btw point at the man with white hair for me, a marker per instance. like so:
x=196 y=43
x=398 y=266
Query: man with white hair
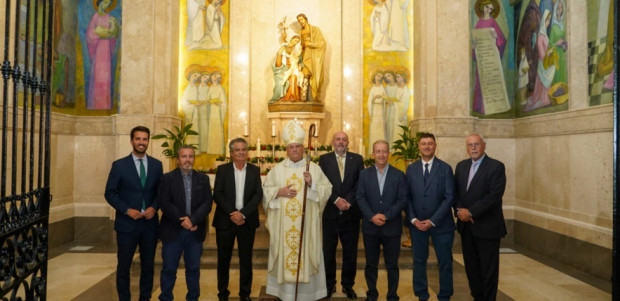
x=283 y=203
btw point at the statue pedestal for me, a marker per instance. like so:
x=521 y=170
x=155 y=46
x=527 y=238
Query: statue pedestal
x=277 y=106
x=305 y=119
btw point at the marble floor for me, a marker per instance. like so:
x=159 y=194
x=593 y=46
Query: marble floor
x=89 y=275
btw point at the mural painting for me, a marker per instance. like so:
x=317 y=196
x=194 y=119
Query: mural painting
x=87 y=39
x=389 y=25
x=492 y=64
x=600 y=51
x=387 y=103
x=203 y=73
x=542 y=84
x=388 y=66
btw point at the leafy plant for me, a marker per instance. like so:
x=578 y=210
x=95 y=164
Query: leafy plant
x=369 y=161
x=406 y=148
x=175 y=139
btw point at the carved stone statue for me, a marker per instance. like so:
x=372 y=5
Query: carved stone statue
x=313 y=53
x=298 y=67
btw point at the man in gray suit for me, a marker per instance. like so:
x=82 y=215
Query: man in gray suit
x=431 y=187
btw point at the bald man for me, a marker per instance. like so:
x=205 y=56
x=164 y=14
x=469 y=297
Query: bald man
x=341 y=218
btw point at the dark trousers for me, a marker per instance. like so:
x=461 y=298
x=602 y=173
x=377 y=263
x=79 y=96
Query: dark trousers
x=225 y=239
x=145 y=236
x=348 y=231
x=391 y=251
x=481 y=258
x=191 y=248
x=442 y=242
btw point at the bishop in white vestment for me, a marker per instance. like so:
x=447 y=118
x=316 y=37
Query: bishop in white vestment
x=283 y=203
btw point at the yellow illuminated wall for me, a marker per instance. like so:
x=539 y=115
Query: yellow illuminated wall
x=388 y=53
x=204 y=51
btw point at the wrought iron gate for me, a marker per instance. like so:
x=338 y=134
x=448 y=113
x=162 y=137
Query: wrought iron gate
x=25 y=164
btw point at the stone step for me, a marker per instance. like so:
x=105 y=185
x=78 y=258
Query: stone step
x=260 y=254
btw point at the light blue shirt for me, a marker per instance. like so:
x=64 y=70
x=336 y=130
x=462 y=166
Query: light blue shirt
x=136 y=161
x=477 y=163
x=381 y=177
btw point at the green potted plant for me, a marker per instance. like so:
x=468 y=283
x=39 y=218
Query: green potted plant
x=175 y=139
x=406 y=148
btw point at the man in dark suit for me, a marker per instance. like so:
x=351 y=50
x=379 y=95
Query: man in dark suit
x=132 y=191
x=341 y=216
x=480 y=184
x=185 y=201
x=431 y=190
x=381 y=196
x=237 y=193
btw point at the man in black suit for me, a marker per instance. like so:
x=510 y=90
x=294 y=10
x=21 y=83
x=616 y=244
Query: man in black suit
x=480 y=184
x=429 y=213
x=381 y=196
x=238 y=192
x=185 y=201
x=132 y=190
x=341 y=216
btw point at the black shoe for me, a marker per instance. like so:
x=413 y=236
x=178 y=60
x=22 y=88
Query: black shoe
x=350 y=292
x=330 y=292
x=222 y=298
x=371 y=299
x=245 y=298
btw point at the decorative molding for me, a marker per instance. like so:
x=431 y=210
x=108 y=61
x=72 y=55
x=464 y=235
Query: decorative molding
x=593 y=234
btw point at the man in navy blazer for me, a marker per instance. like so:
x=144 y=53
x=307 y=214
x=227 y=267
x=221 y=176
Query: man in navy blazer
x=132 y=191
x=237 y=192
x=381 y=196
x=341 y=216
x=480 y=185
x=185 y=201
x=429 y=212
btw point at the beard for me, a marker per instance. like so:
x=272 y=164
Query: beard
x=139 y=152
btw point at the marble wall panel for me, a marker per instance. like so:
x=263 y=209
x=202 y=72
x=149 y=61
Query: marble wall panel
x=137 y=72
x=92 y=164
x=577 y=53
x=62 y=175
x=452 y=32
x=591 y=166
x=166 y=38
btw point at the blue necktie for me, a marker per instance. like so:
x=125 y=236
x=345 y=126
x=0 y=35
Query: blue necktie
x=426 y=173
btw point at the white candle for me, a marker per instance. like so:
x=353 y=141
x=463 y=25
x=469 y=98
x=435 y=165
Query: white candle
x=361 y=147
x=245 y=128
x=273 y=128
x=227 y=150
x=316 y=129
x=258 y=147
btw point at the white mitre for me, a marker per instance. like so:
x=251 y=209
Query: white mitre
x=293 y=133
